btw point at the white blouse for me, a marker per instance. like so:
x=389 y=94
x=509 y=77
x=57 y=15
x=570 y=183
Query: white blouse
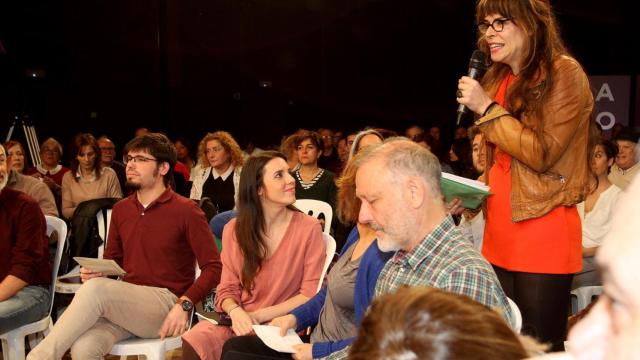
x=597 y=222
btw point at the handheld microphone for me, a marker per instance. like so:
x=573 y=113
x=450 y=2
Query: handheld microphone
x=477 y=67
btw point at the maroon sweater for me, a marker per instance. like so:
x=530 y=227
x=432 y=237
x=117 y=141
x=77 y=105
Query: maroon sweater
x=24 y=251
x=158 y=246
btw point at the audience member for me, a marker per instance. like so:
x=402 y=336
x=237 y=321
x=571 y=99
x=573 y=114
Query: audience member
x=49 y=170
x=108 y=159
x=220 y=161
x=329 y=158
x=428 y=323
x=268 y=235
x=535 y=111
x=363 y=139
x=413 y=131
x=141 y=131
x=460 y=133
x=626 y=165
x=473 y=220
x=288 y=148
x=15 y=156
x=183 y=149
x=339 y=307
x=36 y=189
x=156 y=236
x=611 y=330
x=424 y=140
x=313 y=182
x=597 y=211
x=398 y=183
x=343 y=151
x=25 y=272
x=460 y=159
x=88 y=178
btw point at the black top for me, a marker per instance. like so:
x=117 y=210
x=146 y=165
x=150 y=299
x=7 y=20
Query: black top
x=221 y=192
x=322 y=187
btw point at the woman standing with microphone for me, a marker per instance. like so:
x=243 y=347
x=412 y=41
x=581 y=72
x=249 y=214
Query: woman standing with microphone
x=534 y=104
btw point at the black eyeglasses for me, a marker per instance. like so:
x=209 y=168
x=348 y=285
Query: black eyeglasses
x=497 y=25
x=136 y=159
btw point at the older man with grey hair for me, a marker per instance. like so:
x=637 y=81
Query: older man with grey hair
x=399 y=185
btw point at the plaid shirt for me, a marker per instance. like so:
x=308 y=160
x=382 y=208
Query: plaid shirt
x=445 y=260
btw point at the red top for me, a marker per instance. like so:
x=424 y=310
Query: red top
x=182 y=169
x=158 y=246
x=24 y=251
x=56 y=176
x=548 y=244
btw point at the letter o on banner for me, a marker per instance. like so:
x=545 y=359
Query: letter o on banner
x=606 y=119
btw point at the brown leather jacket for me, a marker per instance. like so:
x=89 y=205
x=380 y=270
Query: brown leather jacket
x=549 y=168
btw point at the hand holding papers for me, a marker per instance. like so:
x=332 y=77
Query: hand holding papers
x=107 y=267
x=471 y=192
x=270 y=335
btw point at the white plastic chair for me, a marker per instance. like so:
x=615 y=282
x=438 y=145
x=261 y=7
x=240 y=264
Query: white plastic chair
x=330 y=250
x=585 y=295
x=330 y=245
x=13 y=341
x=152 y=349
x=315 y=208
x=516 y=314
x=104 y=219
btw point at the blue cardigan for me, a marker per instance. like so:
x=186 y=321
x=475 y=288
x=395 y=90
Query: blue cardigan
x=372 y=262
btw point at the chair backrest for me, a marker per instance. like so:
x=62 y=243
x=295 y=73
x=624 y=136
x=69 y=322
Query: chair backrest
x=104 y=220
x=58 y=225
x=330 y=245
x=316 y=208
x=516 y=314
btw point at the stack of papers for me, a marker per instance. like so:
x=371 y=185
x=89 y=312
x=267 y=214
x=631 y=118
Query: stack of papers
x=270 y=335
x=471 y=192
x=107 y=267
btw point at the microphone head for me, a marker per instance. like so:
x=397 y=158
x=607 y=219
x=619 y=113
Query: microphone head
x=478 y=60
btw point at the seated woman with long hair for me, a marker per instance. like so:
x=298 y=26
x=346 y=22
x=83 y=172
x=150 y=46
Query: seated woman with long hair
x=428 y=323
x=596 y=212
x=338 y=308
x=272 y=257
x=88 y=179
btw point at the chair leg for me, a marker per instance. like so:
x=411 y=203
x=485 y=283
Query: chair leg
x=5 y=349
x=16 y=348
x=156 y=353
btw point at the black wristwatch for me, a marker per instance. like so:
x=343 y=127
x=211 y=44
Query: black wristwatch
x=185 y=304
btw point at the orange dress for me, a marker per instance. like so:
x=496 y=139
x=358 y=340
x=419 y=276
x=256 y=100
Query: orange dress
x=550 y=244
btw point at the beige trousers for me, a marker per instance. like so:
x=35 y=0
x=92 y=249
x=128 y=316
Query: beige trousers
x=103 y=312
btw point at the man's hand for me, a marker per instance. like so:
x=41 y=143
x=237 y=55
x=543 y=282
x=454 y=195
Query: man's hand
x=303 y=352
x=241 y=322
x=87 y=274
x=284 y=323
x=175 y=323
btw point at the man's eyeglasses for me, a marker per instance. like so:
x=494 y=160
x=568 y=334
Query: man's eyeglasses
x=137 y=159
x=497 y=25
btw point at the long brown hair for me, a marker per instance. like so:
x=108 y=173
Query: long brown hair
x=250 y=224
x=428 y=323
x=348 y=204
x=543 y=45
x=80 y=141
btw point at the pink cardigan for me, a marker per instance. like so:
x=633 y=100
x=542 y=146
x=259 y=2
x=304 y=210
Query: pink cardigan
x=294 y=268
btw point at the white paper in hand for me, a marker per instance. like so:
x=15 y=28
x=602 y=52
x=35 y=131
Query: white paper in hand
x=270 y=335
x=107 y=267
